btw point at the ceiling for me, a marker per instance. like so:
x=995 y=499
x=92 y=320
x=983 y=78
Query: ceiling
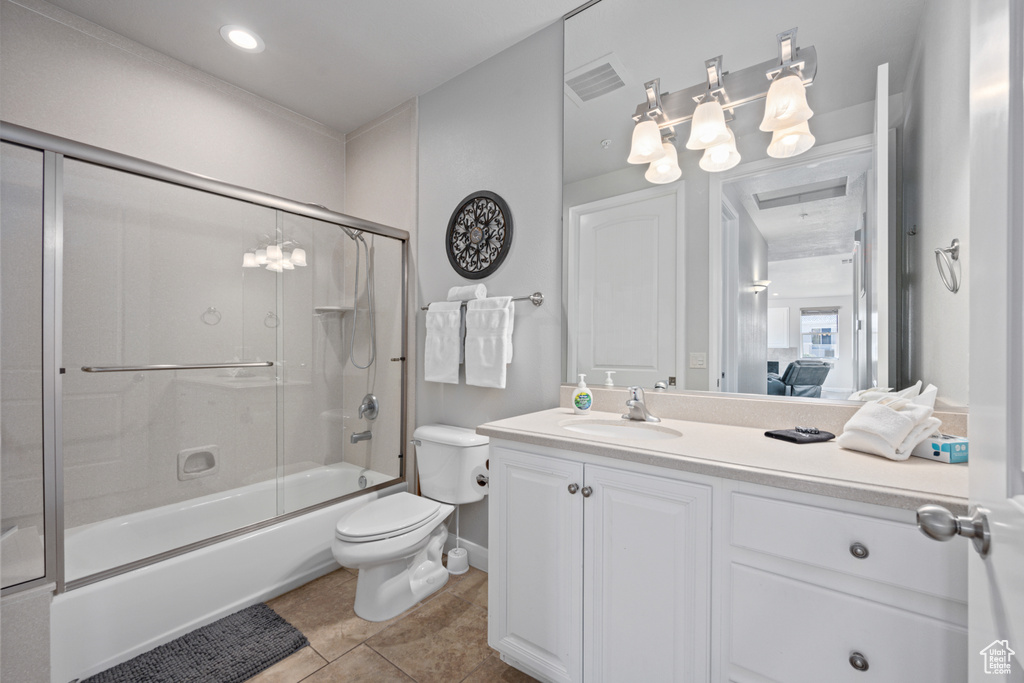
x=341 y=63
x=670 y=40
x=814 y=228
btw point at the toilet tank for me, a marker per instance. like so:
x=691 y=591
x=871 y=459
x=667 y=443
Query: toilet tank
x=448 y=460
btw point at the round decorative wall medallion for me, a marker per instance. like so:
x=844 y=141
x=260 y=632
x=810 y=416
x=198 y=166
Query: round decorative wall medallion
x=479 y=235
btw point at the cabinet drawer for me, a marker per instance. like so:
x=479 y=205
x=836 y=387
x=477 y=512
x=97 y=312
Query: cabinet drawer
x=897 y=553
x=790 y=631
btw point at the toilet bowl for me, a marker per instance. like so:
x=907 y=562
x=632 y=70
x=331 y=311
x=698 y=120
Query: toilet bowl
x=396 y=542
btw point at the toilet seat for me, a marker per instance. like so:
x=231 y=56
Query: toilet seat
x=387 y=517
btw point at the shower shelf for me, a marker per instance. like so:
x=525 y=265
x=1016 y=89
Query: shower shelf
x=333 y=309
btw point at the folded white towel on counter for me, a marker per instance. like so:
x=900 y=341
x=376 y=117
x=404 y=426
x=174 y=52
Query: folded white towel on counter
x=467 y=293
x=443 y=344
x=891 y=427
x=489 y=324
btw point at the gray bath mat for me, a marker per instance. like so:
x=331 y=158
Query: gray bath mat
x=229 y=650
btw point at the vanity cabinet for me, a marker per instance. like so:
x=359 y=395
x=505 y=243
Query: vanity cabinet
x=598 y=573
x=819 y=589
x=609 y=570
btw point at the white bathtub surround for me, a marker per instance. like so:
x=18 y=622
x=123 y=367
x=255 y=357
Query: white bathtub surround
x=153 y=605
x=99 y=546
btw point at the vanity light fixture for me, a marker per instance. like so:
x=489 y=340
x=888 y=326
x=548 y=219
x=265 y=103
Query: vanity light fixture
x=647 y=145
x=242 y=38
x=666 y=169
x=275 y=256
x=781 y=82
x=760 y=285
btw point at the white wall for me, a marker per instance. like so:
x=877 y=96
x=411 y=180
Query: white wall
x=380 y=176
x=66 y=76
x=497 y=127
x=936 y=193
x=749 y=324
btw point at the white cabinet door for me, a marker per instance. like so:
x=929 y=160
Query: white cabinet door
x=647 y=558
x=535 y=614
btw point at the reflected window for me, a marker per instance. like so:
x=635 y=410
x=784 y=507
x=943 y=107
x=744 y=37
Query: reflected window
x=819 y=333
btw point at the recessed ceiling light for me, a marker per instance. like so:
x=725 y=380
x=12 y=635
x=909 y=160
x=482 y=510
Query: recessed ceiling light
x=242 y=38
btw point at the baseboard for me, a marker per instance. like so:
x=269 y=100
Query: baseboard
x=477 y=553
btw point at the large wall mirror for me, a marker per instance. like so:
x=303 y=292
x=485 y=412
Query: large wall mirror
x=810 y=274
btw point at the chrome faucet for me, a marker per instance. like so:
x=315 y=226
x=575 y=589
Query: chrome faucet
x=361 y=436
x=637 y=407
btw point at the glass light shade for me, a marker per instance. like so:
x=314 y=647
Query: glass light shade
x=786 y=104
x=646 y=143
x=721 y=157
x=708 y=126
x=665 y=169
x=273 y=252
x=287 y=265
x=789 y=142
x=261 y=256
x=249 y=260
x=275 y=266
x=299 y=257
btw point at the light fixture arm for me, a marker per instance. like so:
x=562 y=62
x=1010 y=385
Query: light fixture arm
x=745 y=86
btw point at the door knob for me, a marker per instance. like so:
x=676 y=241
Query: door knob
x=937 y=522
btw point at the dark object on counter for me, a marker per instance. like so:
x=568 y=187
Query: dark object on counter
x=801 y=435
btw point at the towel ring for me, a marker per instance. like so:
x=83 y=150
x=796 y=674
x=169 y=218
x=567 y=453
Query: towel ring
x=948 y=261
x=211 y=316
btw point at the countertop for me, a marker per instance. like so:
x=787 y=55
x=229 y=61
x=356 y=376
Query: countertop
x=745 y=454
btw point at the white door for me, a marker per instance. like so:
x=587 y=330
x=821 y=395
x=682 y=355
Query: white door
x=623 y=285
x=878 y=238
x=535 y=594
x=646 y=570
x=996 y=345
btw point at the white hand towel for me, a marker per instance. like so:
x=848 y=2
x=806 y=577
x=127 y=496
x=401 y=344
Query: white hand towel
x=467 y=293
x=443 y=343
x=891 y=430
x=488 y=341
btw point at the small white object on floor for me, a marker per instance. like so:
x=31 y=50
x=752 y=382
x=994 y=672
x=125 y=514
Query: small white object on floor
x=458 y=561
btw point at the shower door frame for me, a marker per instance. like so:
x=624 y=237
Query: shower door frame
x=55 y=149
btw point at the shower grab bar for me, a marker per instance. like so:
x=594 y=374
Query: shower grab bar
x=200 y=366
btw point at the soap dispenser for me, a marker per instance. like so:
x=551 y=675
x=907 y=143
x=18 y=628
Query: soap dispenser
x=608 y=381
x=582 y=399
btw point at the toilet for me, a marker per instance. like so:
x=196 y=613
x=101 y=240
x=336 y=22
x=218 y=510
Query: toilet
x=396 y=542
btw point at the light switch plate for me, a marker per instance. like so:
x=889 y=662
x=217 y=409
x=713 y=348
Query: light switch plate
x=698 y=360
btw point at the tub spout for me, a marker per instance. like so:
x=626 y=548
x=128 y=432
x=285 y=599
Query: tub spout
x=361 y=436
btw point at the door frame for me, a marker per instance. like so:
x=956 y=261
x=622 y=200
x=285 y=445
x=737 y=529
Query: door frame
x=572 y=267
x=859 y=143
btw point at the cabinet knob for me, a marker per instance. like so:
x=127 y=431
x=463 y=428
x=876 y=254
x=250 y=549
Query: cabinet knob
x=573 y=488
x=858 y=661
x=859 y=550
x=587 y=491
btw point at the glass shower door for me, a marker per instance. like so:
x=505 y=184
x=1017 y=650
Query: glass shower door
x=21 y=382
x=155 y=459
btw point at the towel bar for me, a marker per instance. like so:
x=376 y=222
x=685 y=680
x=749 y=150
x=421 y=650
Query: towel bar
x=536 y=299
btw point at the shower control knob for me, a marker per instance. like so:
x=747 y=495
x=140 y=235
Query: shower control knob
x=573 y=488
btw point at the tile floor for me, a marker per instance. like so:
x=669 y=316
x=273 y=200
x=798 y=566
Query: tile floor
x=440 y=640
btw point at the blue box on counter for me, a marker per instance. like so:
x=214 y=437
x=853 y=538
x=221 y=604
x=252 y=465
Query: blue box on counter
x=943 y=448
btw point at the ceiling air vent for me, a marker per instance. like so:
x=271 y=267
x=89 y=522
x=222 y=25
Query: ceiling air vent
x=826 y=189
x=595 y=79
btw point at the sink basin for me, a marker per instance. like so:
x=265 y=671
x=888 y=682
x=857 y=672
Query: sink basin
x=621 y=429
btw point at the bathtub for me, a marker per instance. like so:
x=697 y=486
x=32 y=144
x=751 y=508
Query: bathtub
x=104 y=623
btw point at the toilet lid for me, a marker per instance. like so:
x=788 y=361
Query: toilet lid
x=386 y=517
